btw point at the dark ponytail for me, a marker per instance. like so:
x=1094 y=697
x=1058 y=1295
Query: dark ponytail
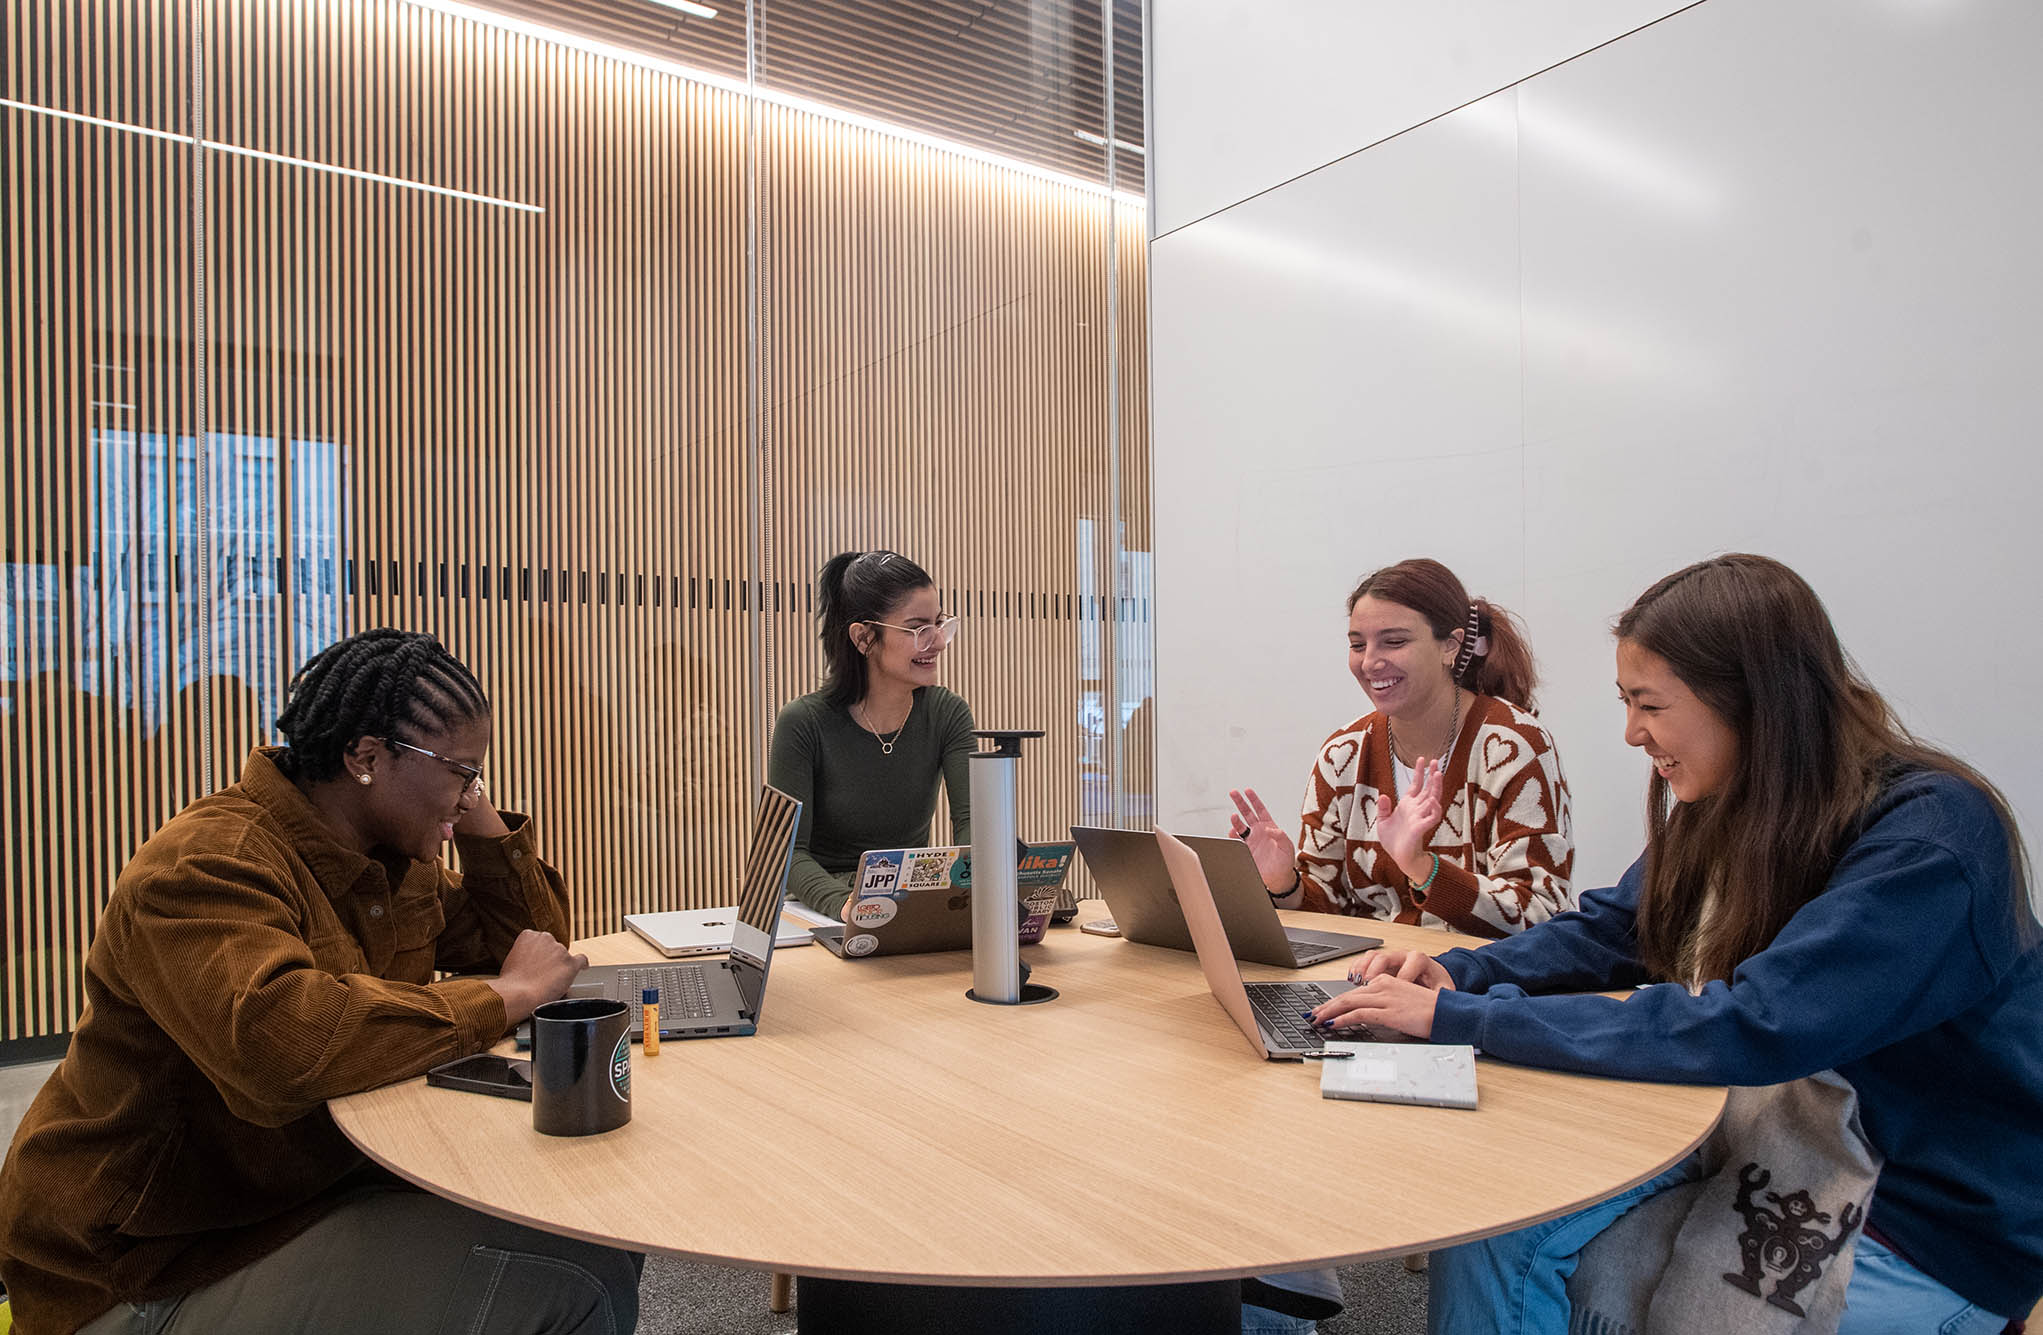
x=1496 y=658
x=854 y=587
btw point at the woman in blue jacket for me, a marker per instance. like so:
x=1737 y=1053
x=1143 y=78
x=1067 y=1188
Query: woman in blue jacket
x=1826 y=893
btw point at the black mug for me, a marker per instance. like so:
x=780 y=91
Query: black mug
x=581 y=1066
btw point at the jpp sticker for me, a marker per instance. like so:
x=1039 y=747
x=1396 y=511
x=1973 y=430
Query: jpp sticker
x=881 y=875
x=861 y=945
x=620 y=1068
x=871 y=913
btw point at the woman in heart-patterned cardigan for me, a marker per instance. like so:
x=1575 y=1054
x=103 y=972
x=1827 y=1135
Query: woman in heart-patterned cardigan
x=1481 y=842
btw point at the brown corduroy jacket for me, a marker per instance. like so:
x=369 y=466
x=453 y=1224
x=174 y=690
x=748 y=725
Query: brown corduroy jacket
x=247 y=969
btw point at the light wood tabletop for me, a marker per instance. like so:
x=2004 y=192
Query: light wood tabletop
x=881 y=1126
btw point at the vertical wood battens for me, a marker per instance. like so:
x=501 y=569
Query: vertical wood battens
x=523 y=431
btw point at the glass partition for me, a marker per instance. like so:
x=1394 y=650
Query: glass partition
x=578 y=334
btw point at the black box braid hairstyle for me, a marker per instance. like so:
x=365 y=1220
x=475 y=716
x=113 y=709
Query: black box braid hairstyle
x=379 y=683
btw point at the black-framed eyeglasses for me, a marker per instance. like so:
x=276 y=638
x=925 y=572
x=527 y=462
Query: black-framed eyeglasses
x=475 y=787
x=929 y=635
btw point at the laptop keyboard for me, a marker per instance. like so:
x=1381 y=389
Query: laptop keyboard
x=1280 y=1007
x=1306 y=954
x=684 y=991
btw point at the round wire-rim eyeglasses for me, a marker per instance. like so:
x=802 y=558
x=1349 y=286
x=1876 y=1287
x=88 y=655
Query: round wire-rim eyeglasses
x=930 y=635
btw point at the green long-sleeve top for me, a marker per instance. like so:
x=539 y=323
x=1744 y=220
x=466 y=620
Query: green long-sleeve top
x=855 y=797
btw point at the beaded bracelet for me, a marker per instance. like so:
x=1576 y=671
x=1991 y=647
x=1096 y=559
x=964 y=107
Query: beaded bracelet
x=1419 y=890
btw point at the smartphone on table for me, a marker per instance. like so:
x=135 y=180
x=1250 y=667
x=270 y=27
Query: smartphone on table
x=485 y=1073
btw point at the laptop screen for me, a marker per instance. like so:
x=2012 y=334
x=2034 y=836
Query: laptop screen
x=765 y=883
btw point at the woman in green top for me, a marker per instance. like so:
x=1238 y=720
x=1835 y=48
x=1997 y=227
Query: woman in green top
x=865 y=752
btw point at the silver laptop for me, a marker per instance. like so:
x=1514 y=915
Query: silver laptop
x=1132 y=878
x=717 y=998
x=680 y=933
x=1270 y=1015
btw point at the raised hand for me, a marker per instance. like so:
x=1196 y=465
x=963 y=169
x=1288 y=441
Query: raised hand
x=1403 y=829
x=479 y=816
x=1276 y=856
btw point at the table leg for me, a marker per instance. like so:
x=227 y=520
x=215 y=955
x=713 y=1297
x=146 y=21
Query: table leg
x=782 y=1297
x=855 y=1307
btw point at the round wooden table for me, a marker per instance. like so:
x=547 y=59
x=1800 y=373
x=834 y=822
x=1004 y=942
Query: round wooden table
x=882 y=1127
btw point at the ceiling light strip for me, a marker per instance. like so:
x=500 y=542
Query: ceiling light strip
x=280 y=158
x=793 y=102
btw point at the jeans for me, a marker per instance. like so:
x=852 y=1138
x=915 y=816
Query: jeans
x=1517 y=1283
x=1888 y=1296
x=401 y=1262
x=1262 y=1321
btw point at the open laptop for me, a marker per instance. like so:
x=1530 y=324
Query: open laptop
x=1269 y=1015
x=1133 y=879
x=719 y=997
x=680 y=933
x=916 y=901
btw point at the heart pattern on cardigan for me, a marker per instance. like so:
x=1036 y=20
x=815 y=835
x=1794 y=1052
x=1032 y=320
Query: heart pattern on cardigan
x=1528 y=808
x=1506 y=822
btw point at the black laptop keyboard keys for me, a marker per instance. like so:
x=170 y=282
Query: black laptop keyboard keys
x=1282 y=1008
x=684 y=994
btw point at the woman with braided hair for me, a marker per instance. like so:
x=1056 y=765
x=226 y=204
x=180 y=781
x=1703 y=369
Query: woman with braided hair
x=1446 y=805
x=275 y=945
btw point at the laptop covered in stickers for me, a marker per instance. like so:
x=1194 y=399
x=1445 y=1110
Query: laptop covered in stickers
x=914 y=901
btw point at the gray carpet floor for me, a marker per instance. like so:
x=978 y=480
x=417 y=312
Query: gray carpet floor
x=682 y=1298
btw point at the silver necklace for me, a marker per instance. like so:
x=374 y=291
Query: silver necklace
x=1453 y=731
x=887 y=743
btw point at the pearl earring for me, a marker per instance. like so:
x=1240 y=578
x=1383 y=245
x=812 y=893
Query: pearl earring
x=362 y=779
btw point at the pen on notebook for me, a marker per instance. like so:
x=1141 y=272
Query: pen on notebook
x=1324 y=1056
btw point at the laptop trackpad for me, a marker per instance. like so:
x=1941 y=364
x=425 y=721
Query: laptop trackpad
x=595 y=988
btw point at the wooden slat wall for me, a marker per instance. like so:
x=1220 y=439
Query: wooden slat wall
x=522 y=430
x=97 y=748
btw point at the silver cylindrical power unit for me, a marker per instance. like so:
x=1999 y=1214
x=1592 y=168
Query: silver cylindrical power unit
x=996 y=894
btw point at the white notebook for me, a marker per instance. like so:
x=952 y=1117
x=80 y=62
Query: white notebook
x=1443 y=1075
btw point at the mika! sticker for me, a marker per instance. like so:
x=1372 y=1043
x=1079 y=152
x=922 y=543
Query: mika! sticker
x=871 y=913
x=620 y=1067
x=856 y=946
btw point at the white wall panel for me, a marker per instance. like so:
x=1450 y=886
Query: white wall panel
x=1833 y=274
x=1336 y=386
x=1244 y=96
x=1777 y=284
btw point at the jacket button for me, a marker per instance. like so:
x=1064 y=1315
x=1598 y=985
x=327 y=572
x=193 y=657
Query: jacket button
x=375 y=910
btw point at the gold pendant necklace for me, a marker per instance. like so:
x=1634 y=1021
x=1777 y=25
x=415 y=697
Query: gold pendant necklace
x=886 y=743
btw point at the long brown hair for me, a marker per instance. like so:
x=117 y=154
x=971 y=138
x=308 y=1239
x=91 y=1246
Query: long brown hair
x=1816 y=745
x=1505 y=670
